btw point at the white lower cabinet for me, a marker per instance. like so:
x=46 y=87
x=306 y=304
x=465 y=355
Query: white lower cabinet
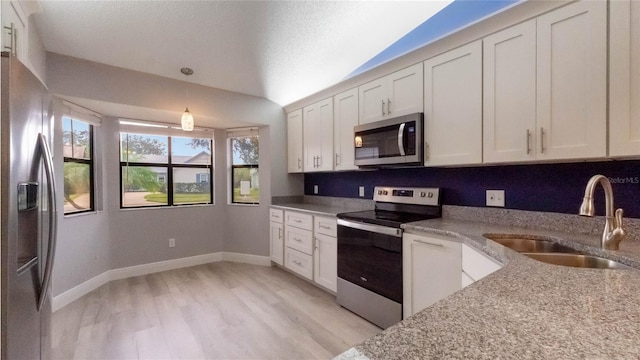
x=476 y=265
x=310 y=246
x=299 y=262
x=325 y=262
x=431 y=270
x=276 y=236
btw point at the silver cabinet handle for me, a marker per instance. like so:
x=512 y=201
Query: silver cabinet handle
x=324 y=227
x=297 y=220
x=542 y=140
x=299 y=163
x=428 y=243
x=426 y=150
x=279 y=233
x=528 y=141
x=53 y=212
x=14 y=39
x=383 y=108
x=297 y=240
x=337 y=163
x=319 y=161
x=401 y=139
x=297 y=262
x=388 y=106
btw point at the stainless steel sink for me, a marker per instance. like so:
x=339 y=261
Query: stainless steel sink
x=577 y=260
x=525 y=244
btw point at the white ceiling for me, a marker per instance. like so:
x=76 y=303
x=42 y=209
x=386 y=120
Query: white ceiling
x=280 y=50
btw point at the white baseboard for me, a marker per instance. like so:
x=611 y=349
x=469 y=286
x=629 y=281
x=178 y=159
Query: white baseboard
x=88 y=286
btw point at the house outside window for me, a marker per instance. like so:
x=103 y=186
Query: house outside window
x=77 y=137
x=245 y=170
x=164 y=170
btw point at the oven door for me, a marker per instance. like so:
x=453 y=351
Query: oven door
x=370 y=256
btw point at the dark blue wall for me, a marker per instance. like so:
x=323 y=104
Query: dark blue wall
x=540 y=187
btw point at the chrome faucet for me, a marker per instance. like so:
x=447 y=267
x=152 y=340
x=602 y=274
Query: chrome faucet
x=613 y=232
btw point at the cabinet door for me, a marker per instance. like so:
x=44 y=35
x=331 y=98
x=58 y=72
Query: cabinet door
x=294 y=141
x=509 y=121
x=345 y=117
x=431 y=268
x=276 y=240
x=453 y=103
x=477 y=265
x=624 y=78
x=318 y=136
x=372 y=96
x=325 y=261
x=11 y=16
x=406 y=90
x=572 y=81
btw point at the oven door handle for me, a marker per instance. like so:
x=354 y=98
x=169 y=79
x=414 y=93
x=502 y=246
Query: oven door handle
x=385 y=230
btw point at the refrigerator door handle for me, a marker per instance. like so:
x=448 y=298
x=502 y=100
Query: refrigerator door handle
x=51 y=197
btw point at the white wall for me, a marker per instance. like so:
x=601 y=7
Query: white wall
x=94 y=243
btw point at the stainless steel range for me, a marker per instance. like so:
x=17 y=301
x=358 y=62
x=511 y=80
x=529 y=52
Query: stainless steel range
x=370 y=251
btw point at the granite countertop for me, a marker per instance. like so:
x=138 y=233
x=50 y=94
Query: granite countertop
x=526 y=310
x=315 y=209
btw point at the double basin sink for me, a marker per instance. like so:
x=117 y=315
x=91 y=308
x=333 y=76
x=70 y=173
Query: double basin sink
x=553 y=253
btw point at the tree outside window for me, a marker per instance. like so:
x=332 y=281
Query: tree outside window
x=160 y=170
x=245 y=184
x=77 y=138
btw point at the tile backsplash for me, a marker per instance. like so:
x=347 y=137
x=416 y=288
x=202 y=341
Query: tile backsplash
x=538 y=187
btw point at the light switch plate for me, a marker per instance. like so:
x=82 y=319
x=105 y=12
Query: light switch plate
x=315 y=189
x=495 y=198
x=361 y=191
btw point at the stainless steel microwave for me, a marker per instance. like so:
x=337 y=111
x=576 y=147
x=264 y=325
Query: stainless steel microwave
x=390 y=142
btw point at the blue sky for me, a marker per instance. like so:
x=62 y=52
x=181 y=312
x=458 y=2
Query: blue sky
x=455 y=16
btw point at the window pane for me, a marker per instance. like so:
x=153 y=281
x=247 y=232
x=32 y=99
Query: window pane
x=246 y=188
x=76 y=138
x=144 y=186
x=143 y=148
x=191 y=186
x=77 y=187
x=190 y=151
x=245 y=150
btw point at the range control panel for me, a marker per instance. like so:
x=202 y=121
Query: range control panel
x=408 y=195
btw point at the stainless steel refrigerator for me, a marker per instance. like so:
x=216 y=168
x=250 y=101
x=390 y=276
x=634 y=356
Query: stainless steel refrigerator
x=28 y=213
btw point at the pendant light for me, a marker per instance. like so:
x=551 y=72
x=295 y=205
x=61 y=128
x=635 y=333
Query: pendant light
x=187 y=118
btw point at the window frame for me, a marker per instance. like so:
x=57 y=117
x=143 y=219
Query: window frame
x=242 y=166
x=169 y=165
x=90 y=162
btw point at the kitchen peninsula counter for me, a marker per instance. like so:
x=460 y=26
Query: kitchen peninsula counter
x=527 y=309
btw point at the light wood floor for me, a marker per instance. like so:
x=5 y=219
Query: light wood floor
x=216 y=311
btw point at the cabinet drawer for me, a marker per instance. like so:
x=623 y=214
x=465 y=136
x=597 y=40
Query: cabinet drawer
x=299 y=239
x=326 y=226
x=299 y=263
x=276 y=215
x=477 y=265
x=302 y=221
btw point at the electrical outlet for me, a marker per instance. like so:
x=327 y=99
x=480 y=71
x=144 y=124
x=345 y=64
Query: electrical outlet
x=361 y=191
x=172 y=243
x=315 y=189
x=495 y=198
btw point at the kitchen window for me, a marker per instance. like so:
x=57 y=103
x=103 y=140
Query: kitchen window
x=164 y=168
x=77 y=151
x=245 y=170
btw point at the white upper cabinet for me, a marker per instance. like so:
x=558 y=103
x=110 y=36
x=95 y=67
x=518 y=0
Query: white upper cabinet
x=509 y=121
x=624 y=78
x=318 y=136
x=453 y=107
x=396 y=94
x=345 y=117
x=545 y=87
x=294 y=141
x=572 y=81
